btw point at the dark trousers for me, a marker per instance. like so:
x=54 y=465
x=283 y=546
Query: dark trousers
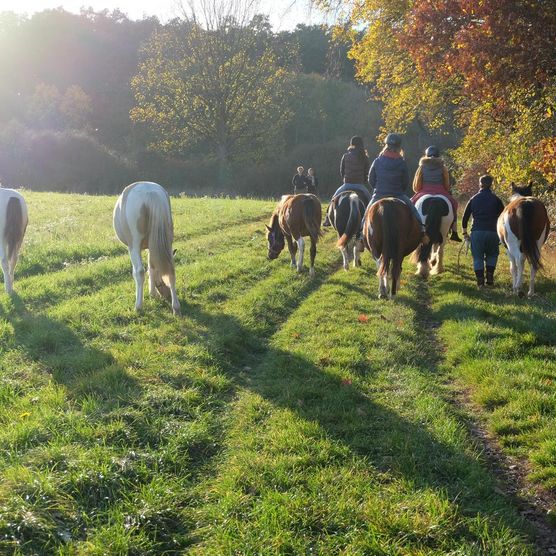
x=485 y=247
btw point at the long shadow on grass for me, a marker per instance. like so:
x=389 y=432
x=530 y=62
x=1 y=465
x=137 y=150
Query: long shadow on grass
x=387 y=441
x=83 y=370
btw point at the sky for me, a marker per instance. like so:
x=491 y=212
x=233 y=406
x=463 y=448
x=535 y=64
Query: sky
x=284 y=14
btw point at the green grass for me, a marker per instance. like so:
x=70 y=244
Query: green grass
x=272 y=418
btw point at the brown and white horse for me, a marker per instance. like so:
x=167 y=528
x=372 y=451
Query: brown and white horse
x=390 y=232
x=13 y=223
x=437 y=213
x=345 y=213
x=523 y=228
x=295 y=217
x=143 y=220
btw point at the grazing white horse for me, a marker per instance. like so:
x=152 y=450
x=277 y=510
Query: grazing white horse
x=13 y=223
x=143 y=220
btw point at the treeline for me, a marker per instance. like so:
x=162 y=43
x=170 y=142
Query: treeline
x=93 y=101
x=484 y=72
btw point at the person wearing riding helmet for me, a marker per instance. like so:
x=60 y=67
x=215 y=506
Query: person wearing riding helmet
x=354 y=168
x=389 y=175
x=432 y=178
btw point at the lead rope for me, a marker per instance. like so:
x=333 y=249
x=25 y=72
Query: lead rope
x=465 y=244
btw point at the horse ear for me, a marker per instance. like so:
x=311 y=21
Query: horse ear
x=268 y=227
x=513 y=186
x=530 y=183
x=174 y=252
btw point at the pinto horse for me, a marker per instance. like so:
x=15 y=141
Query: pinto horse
x=523 y=228
x=390 y=232
x=295 y=216
x=345 y=213
x=143 y=220
x=13 y=223
x=437 y=214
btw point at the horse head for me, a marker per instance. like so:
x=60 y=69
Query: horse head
x=275 y=238
x=522 y=191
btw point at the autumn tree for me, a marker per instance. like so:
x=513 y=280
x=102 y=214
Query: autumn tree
x=212 y=83
x=488 y=68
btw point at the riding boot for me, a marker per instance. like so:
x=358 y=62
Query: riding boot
x=454 y=236
x=490 y=275
x=480 y=274
x=326 y=222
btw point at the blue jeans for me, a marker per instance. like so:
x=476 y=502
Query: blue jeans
x=358 y=187
x=485 y=247
x=378 y=196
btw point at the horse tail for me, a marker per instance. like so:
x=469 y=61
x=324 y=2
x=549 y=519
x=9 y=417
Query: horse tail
x=354 y=221
x=312 y=218
x=433 y=225
x=391 y=252
x=526 y=218
x=15 y=226
x=161 y=232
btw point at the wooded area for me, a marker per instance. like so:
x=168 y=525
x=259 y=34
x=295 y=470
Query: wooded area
x=217 y=102
x=95 y=101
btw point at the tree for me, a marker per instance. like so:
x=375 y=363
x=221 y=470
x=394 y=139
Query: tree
x=488 y=68
x=212 y=84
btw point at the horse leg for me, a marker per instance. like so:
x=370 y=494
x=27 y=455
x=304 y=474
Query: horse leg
x=301 y=245
x=11 y=263
x=8 y=284
x=345 y=257
x=519 y=274
x=440 y=264
x=292 y=248
x=138 y=275
x=357 y=250
x=513 y=271
x=176 y=309
x=436 y=258
x=153 y=292
x=533 y=275
x=313 y=253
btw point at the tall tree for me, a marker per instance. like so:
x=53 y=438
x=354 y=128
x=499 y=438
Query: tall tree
x=212 y=82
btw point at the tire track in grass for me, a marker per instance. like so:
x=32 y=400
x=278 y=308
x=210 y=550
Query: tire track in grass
x=532 y=503
x=331 y=444
x=217 y=338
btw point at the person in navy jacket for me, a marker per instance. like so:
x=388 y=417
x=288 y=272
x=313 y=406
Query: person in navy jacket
x=485 y=208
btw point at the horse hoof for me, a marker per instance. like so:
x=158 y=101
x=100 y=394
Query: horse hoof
x=531 y=295
x=382 y=296
x=520 y=294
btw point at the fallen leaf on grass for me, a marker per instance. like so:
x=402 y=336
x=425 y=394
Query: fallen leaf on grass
x=296 y=335
x=346 y=381
x=363 y=318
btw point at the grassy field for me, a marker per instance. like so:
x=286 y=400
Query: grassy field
x=280 y=415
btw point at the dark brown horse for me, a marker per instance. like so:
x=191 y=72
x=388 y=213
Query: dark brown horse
x=390 y=232
x=523 y=228
x=295 y=216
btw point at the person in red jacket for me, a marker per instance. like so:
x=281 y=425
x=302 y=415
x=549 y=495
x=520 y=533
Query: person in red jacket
x=432 y=178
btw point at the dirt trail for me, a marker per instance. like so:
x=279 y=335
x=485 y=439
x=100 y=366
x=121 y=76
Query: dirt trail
x=532 y=502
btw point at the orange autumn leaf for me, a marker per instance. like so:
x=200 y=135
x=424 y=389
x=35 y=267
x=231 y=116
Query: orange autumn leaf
x=363 y=318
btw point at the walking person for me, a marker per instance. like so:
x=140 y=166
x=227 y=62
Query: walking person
x=299 y=181
x=485 y=208
x=313 y=182
x=432 y=178
x=389 y=175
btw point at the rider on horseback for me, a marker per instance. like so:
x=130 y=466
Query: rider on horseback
x=432 y=178
x=389 y=175
x=354 y=168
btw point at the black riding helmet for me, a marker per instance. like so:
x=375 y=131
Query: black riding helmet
x=432 y=152
x=393 y=140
